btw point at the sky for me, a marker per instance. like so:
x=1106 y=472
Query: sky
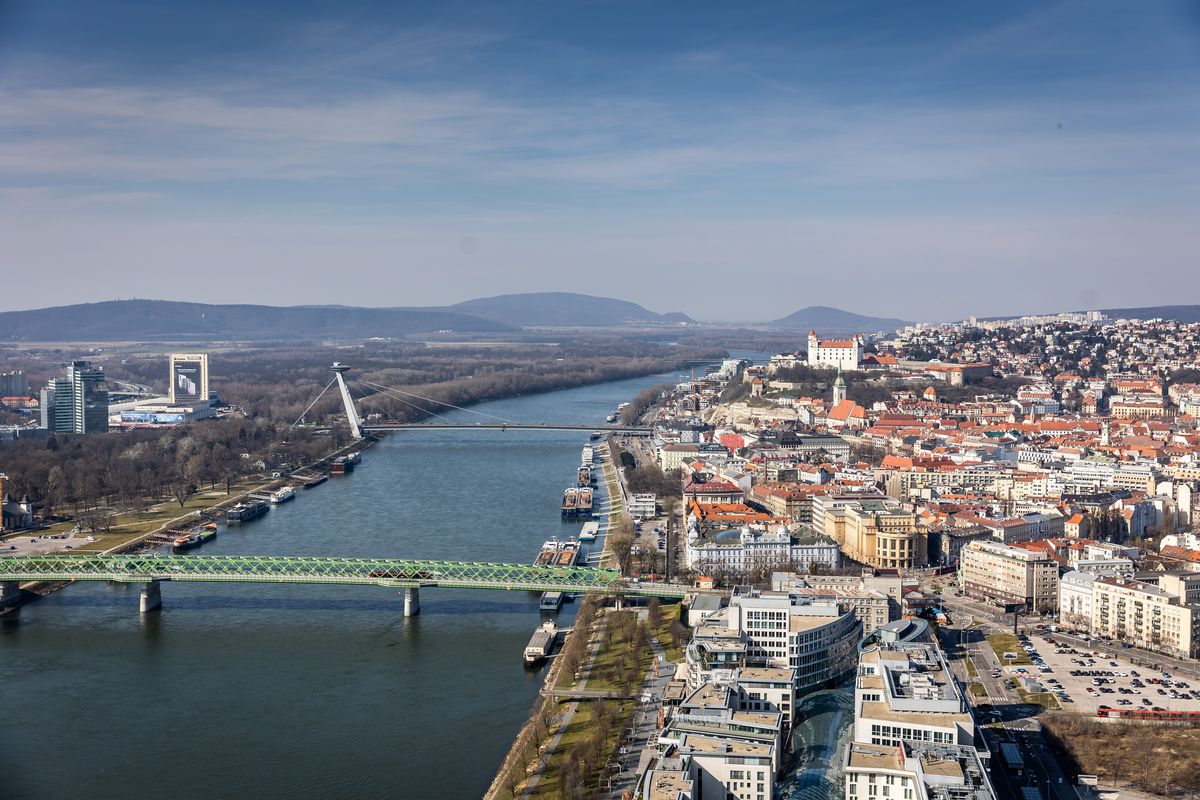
x=736 y=161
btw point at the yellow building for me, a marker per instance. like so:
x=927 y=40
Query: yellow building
x=879 y=532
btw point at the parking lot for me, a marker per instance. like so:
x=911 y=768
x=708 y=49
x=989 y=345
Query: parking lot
x=1121 y=683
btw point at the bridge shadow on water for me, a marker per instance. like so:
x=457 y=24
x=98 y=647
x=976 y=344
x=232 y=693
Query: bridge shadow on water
x=432 y=604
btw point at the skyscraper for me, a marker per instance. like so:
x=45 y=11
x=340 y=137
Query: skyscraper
x=77 y=403
x=188 y=377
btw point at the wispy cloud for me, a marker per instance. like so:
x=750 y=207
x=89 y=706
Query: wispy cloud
x=857 y=160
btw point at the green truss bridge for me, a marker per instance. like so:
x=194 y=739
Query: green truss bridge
x=152 y=569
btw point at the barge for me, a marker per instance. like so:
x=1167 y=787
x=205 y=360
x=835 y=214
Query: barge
x=547 y=554
x=551 y=601
x=541 y=643
x=570 y=502
x=583 y=503
x=342 y=465
x=194 y=538
x=244 y=512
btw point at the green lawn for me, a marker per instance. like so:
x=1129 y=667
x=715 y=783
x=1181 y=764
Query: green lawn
x=1007 y=643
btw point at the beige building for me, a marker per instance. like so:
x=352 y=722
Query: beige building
x=998 y=573
x=879 y=532
x=674 y=456
x=1146 y=616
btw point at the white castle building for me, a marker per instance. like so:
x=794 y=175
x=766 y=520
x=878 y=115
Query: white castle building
x=837 y=353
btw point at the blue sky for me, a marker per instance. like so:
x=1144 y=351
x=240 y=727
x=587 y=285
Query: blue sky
x=924 y=160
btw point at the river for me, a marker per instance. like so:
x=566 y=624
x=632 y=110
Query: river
x=273 y=691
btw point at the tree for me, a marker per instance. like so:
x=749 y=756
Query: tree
x=622 y=546
x=678 y=633
x=654 y=613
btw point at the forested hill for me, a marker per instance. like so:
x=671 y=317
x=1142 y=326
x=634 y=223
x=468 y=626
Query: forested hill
x=825 y=319
x=564 y=309
x=118 y=320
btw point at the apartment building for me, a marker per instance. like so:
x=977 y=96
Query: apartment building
x=1147 y=616
x=1075 y=592
x=1000 y=574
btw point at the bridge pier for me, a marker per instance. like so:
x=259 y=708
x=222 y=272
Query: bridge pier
x=151 y=599
x=412 y=601
x=10 y=593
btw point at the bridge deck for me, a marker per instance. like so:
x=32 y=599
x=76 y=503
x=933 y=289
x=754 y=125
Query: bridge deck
x=504 y=426
x=148 y=567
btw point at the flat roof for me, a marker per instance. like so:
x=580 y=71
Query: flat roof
x=881 y=710
x=667 y=785
x=772 y=674
x=708 y=744
x=869 y=756
x=709 y=695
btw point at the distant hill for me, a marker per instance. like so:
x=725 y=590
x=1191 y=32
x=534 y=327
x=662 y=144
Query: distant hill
x=1178 y=313
x=118 y=320
x=563 y=309
x=825 y=319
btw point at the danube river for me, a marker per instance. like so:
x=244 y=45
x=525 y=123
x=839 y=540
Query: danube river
x=293 y=692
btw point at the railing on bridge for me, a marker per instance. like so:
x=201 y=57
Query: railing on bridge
x=305 y=569
x=153 y=567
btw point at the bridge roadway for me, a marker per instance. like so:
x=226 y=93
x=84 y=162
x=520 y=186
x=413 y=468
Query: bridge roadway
x=504 y=426
x=154 y=568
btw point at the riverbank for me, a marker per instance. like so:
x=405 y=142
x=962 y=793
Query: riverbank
x=132 y=530
x=231 y=655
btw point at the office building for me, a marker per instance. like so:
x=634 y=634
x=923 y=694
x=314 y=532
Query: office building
x=875 y=531
x=14 y=384
x=77 y=403
x=818 y=640
x=904 y=692
x=188 y=375
x=913 y=771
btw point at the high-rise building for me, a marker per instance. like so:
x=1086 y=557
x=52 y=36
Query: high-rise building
x=77 y=403
x=188 y=376
x=14 y=384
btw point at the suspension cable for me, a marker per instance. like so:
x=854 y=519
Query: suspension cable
x=439 y=402
x=313 y=403
x=384 y=390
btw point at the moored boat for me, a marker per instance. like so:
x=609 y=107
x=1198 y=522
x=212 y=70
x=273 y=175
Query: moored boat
x=570 y=501
x=583 y=502
x=244 y=512
x=547 y=555
x=541 y=643
x=283 y=494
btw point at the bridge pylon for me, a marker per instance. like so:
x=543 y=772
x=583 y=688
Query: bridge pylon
x=340 y=369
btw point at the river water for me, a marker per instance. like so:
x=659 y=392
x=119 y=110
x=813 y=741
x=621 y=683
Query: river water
x=275 y=691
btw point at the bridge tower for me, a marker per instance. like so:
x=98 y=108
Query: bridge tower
x=340 y=369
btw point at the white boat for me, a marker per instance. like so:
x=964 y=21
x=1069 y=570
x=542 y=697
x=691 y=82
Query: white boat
x=283 y=494
x=589 y=532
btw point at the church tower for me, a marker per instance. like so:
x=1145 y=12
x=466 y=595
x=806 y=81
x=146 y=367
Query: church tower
x=839 y=387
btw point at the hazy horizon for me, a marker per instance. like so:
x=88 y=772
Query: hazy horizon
x=920 y=162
